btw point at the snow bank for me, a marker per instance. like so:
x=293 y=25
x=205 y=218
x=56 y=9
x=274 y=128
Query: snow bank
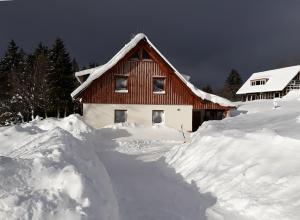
x=250 y=162
x=49 y=170
x=293 y=95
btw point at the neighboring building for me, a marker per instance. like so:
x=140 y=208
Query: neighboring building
x=270 y=84
x=139 y=85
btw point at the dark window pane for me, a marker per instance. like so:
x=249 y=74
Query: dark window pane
x=120 y=116
x=158 y=84
x=145 y=55
x=157 y=116
x=121 y=83
x=135 y=55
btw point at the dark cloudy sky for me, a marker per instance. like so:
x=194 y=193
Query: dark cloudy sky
x=202 y=38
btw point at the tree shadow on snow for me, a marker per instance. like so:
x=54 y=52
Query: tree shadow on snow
x=150 y=190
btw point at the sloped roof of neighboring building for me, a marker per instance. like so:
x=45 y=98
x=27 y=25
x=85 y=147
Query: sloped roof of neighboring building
x=278 y=79
x=98 y=71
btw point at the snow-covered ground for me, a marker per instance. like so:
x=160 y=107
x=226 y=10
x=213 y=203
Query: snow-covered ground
x=250 y=162
x=63 y=169
x=241 y=168
x=145 y=186
x=48 y=170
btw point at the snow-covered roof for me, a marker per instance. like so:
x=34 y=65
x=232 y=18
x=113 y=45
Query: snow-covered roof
x=86 y=72
x=187 y=77
x=278 y=79
x=98 y=71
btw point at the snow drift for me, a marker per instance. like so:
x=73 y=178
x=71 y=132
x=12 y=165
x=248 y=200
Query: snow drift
x=250 y=162
x=49 y=170
x=52 y=169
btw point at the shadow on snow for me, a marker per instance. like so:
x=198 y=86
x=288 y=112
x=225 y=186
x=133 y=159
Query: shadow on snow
x=149 y=190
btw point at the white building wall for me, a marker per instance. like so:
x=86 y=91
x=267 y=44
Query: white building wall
x=100 y=115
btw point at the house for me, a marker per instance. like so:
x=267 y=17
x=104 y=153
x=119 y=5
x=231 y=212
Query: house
x=139 y=85
x=270 y=84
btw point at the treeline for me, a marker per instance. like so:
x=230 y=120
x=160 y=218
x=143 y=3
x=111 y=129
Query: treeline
x=231 y=85
x=40 y=83
x=37 y=83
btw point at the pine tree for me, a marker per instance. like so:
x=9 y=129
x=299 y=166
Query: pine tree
x=75 y=66
x=23 y=88
x=232 y=85
x=60 y=78
x=77 y=104
x=41 y=69
x=93 y=65
x=8 y=66
x=11 y=67
x=207 y=88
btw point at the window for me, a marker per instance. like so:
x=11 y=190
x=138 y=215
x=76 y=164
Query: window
x=159 y=85
x=121 y=84
x=158 y=116
x=258 y=82
x=140 y=54
x=136 y=55
x=145 y=55
x=120 y=116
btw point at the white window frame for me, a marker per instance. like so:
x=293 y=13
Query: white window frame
x=163 y=117
x=121 y=90
x=159 y=77
x=258 y=82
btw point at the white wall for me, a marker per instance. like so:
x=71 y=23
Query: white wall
x=99 y=115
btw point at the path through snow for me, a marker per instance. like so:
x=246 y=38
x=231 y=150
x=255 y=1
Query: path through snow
x=144 y=185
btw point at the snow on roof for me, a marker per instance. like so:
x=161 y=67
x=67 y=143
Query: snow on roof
x=278 y=79
x=86 y=72
x=98 y=71
x=187 y=77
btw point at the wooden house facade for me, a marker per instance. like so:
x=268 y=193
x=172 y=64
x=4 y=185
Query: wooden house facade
x=139 y=85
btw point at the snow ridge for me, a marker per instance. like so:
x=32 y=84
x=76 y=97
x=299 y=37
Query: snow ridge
x=250 y=162
x=54 y=174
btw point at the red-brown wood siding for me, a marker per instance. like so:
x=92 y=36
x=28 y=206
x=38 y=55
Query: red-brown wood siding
x=140 y=85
